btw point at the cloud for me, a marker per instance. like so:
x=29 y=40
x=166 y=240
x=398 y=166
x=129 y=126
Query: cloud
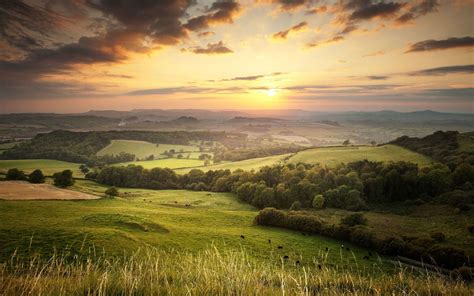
x=211 y=48
x=206 y=34
x=327 y=41
x=253 y=77
x=377 y=77
x=296 y=28
x=366 y=10
x=219 y=12
x=461 y=69
x=289 y=5
x=318 y=10
x=374 y=53
x=431 y=45
x=417 y=10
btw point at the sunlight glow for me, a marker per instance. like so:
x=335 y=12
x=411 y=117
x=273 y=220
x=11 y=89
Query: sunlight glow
x=271 y=92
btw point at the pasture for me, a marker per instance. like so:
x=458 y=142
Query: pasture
x=332 y=156
x=172 y=163
x=168 y=219
x=21 y=190
x=48 y=166
x=143 y=149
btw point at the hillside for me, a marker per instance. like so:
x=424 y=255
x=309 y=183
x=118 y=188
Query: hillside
x=142 y=149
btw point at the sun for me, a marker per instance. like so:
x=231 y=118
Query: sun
x=271 y=92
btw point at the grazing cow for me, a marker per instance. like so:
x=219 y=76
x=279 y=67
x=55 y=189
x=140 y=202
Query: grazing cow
x=144 y=199
x=285 y=257
x=280 y=247
x=347 y=249
x=242 y=236
x=175 y=201
x=150 y=200
x=327 y=249
x=188 y=205
x=342 y=246
x=269 y=241
x=370 y=254
x=366 y=257
x=320 y=267
x=297 y=262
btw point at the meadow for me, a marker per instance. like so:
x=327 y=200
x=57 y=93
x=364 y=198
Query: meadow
x=332 y=156
x=143 y=149
x=172 y=163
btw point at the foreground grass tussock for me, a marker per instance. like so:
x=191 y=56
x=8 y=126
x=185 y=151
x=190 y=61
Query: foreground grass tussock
x=212 y=272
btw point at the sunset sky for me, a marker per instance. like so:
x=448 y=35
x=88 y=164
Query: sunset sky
x=78 y=55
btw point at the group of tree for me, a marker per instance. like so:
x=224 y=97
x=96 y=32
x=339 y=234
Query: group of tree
x=351 y=187
x=442 y=146
x=242 y=153
x=35 y=176
x=101 y=161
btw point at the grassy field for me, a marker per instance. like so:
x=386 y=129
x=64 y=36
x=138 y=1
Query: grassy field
x=143 y=149
x=48 y=166
x=172 y=163
x=160 y=219
x=248 y=164
x=332 y=156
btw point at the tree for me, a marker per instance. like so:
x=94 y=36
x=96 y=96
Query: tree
x=179 y=156
x=63 y=179
x=463 y=173
x=296 y=206
x=15 y=174
x=318 y=201
x=112 y=191
x=354 y=219
x=346 y=143
x=36 y=177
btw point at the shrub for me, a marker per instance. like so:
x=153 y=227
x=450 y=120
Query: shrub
x=296 y=206
x=354 y=219
x=36 y=177
x=438 y=236
x=448 y=257
x=318 y=201
x=112 y=191
x=362 y=236
x=270 y=217
x=464 y=273
x=63 y=179
x=15 y=174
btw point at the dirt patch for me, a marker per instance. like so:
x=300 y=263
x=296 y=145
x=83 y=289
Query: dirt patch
x=17 y=190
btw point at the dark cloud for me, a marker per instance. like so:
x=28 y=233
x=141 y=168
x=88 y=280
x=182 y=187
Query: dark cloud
x=419 y=9
x=284 y=34
x=430 y=45
x=290 y=5
x=367 y=9
x=461 y=69
x=317 y=10
x=206 y=34
x=222 y=11
x=211 y=48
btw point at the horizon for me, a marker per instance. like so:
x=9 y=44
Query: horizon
x=328 y=56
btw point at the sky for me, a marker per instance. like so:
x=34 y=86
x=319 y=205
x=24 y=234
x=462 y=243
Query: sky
x=336 y=55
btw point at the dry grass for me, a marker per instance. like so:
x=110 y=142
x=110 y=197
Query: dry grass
x=211 y=272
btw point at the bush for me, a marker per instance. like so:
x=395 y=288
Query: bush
x=63 y=179
x=318 y=201
x=296 y=206
x=464 y=273
x=354 y=219
x=362 y=236
x=36 y=177
x=112 y=191
x=270 y=217
x=438 y=236
x=15 y=174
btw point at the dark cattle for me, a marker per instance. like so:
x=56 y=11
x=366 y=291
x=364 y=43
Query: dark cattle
x=144 y=199
x=280 y=247
x=242 y=236
x=366 y=257
x=370 y=254
x=188 y=205
x=175 y=201
x=285 y=257
x=269 y=241
x=297 y=262
x=320 y=267
x=327 y=249
x=347 y=249
x=150 y=200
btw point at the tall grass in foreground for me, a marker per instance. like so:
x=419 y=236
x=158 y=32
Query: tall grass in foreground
x=211 y=272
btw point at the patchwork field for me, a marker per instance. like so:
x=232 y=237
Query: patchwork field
x=169 y=220
x=247 y=165
x=20 y=190
x=332 y=156
x=172 y=163
x=48 y=166
x=143 y=149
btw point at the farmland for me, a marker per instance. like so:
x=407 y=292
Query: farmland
x=48 y=166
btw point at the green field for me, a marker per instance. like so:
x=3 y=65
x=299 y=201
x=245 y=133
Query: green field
x=332 y=156
x=48 y=166
x=143 y=149
x=160 y=219
x=248 y=164
x=172 y=163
